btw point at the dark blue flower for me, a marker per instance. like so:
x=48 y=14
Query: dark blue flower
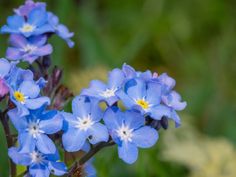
x=34 y=128
x=28 y=49
x=39 y=164
x=35 y=24
x=129 y=132
x=106 y=92
x=83 y=124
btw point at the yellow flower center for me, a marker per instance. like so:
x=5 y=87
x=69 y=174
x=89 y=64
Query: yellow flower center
x=144 y=104
x=19 y=96
x=27 y=28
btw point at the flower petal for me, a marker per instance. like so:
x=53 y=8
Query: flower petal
x=37 y=17
x=159 y=111
x=37 y=102
x=18 y=41
x=27 y=142
x=99 y=133
x=19 y=158
x=45 y=144
x=57 y=168
x=53 y=125
x=145 y=137
x=73 y=139
x=128 y=152
x=116 y=78
x=30 y=89
x=5 y=67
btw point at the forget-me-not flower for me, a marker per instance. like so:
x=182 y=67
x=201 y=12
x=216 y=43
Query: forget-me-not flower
x=106 y=92
x=129 y=132
x=28 y=49
x=144 y=96
x=39 y=164
x=83 y=124
x=34 y=128
x=35 y=24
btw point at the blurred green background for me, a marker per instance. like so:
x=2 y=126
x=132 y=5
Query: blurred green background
x=193 y=41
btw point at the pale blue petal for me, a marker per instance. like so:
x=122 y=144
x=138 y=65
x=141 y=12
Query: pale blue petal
x=145 y=137
x=158 y=112
x=19 y=158
x=45 y=144
x=135 y=88
x=51 y=126
x=57 y=168
x=37 y=102
x=30 y=89
x=74 y=139
x=5 y=67
x=133 y=119
x=99 y=133
x=116 y=78
x=20 y=123
x=37 y=17
x=27 y=143
x=154 y=93
x=128 y=152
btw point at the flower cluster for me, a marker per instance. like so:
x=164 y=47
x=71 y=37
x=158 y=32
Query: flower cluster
x=36 y=100
x=30 y=28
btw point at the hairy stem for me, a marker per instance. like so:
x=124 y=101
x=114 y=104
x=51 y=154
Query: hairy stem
x=10 y=142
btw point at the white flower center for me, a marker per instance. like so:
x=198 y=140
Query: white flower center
x=36 y=157
x=125 y=133
x=27 y=28
x=108 y=93
x=29 y=48
x=33 y=129
x=84 y=123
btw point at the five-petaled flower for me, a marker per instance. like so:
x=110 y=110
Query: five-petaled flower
x=83 y=124
x=40 y=164
x=107 y=92
x=128 y=130
x=35 y=24
x=34 y=128
x=28 y=49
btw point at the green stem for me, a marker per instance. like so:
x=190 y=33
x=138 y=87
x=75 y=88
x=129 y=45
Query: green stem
x=10 y=142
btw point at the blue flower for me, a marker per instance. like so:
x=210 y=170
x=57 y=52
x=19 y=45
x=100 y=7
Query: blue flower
x=168 y=83
x=28 y=49
x=61 y=30
x=24 y=98
x=173 y=102
x=130 y=73
x=39 y=164
x=129 y=132
x=83 y=124
x=5 y=68
x=145 y=97
x=107 y=92
x=35 y=24
x=34 y=128
x=29 y=5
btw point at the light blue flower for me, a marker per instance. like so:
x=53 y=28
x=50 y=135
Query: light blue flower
x=106 y=92
x=83 y=123
x=39 y=164
x=144 y=96
x=24 y=98
x=129 y=132
x=34 y=128
x=35 y=24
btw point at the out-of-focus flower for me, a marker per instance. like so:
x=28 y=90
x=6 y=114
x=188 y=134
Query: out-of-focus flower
x=35 y=24
x=107 y=92
x=83 y=124
x=29 y=5
x=60 y=29
x=204 y=156
x=34 y=128
x=89 y=169
x=5 y=67
x=40 y=165
x=129 y=132
x=28 y=49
